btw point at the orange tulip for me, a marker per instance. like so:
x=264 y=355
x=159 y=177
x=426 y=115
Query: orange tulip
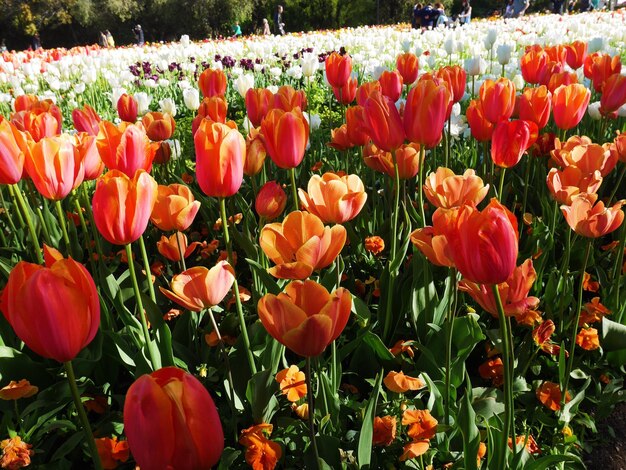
x=55 y=166
x=568 y=183
x=384 y=431
x=549 y=394
x=199 y=288
x=576 y=54
x=338 y=69
x=215 y=109
x=456 y=77
x=333 y=198
x=305 y=317
x=292 y=383
x=159 y=126
x=557 y=53
x=587 y=156
x=391 y=84
x=220 y=155
x=620 y=147
x=554 y=68
x=255 y=153
x=175 y=208
x=122 y=206
x=408 y=67
x=300 y=245
x=408 y=161
x=258 y=103
x=212 y=82
x=38 y=125
x=339 y=139
x=510 y=140
x=484 y=244
x=425 y=112
x=356 y=125
x=613 y=95
x=445 y=189
x=399 y=383
x=285 y=134
x=171 y=421
x=534 y=65
x=602 y=67
x=561 y=78
x=569 y=103
x=171 y=247
x=497 y=99
x=432 y=242
x=25 y=102
x=287 y=99
x=535 y=105
x=127 y=108
x=383 y=121
x=87 y=149
x=14 y=147
x=35 y=303
x=270 y=201
x=125 y=148
x=346 y=94
x=481 y=128
x=592 y=220
x=86 y=120
x=365 y=90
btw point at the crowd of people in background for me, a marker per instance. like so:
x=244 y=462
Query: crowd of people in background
x=429 y=16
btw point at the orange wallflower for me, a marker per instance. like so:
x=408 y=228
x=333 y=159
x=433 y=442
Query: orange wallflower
x=399 y=383
x=16 y=390
x=292 y=383
x=112 y=452
x=169 y=247
x=400 y=347
x=592 y=220
x=422 y=425
x=333 y=198
x=588 y=284
x=445 y=189
x=492 y=369
x=15 y=453
x=300 y=245
x=593 y=312
x=541 y=336
x=566 y=184
x=212 y=82
x=531 y=445
x=302 y=411
x=175 y=208
x=384 y=430
x=549 y=394
x=414 y=449
x=261 y=453
x=569 y=104
x=374 y=244
x=588 y=339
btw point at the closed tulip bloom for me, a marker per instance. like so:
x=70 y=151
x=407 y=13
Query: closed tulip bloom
x=510 y=141
x=214 y=108
x=613 y=95
x=212 y=82
x=127 y=108
x=408 y=67
x=175 y=208
x=569 y=104
x=171 y=247
x=86 y=146
x=561 y=78
x=199 y=288
x=287 y=98
x=568 y=183
x=333 y=198
x=159 y=126
x=40 y=125
x=391 y=84
x=55 y=166
x=456 y=77
x=602 y=67
x=220 y=154
x=13 y=150
x=338 y=69
x=125 y=148
x=364 y=91
x=591 y=219
x=534 y=64
x=425 y=112
x=576 y=54
x=258 y=103
x=271 y=200
x=497 y=99
x=35 y=303
x=122 y=206
x=346 y=94
x=481 y=128
x=255 y=153
x=384 y=124
x=356 y=126
x=535 y=105
x=300 y=245
x=86 y=120
x=408 y=161
x=305 y=318
x=484 y=244
x=285 y=134
x=445 y=189
x=171 y=421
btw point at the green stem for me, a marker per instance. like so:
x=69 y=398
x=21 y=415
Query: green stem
x=294 y=189
x=146 y=267
x=311 y=413
x=555 y=213
x=420 y=188
x=82 y=415
x=83 y=225
x=242 y=321
x=617 y=269
x=508 y=391
x=18 y=242
x=29 y=223
x=92 y=222
x=226 y=362
x=449 y=328
x=180 y=251
x=12 y=190
x=61 y=215
x=617 y=185
x=579 y=306
x=395 y=208
x=152 y=352
x=529 y=163
x=501 y=185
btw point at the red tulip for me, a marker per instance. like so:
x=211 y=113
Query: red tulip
x=456 y=77
x=426 y=111
x=271 y=200
x=535 y=105
x=346 y=94
x=498 y=99
x=127 y=108
x=356 y=126
x=534 y=64
x=364 y=91
x=338 y=69
x=569 y=104
x=258 y=103
x=613 y=95
x=285 y=134
x=602 y=67
x=510 y=140
x=408 y=66
x=391 y=84
x=481 y=128
x=212 y=82
x=576 y=54
x=86 y=120
x=171 y=421
x=383 y=122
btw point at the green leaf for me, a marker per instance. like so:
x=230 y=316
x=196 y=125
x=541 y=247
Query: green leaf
x=364 y=451
x=548 y=461
x=377 y=345
x=268 y=281
x=261 y=396
x=613 y=335
x=469 y=430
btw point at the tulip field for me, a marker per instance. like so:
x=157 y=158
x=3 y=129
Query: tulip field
x=366 y=248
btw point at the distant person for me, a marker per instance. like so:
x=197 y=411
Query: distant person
x=278 y=21
x=102 y=40
x=36 y=42
x=428 y=17
x=466 y=12
x=110 y=40
x=3 y=45
x=509 y=11
x=442 y=19
x=236 y=30
x=558 y=7
x=520 y=7
x=416 y=20
x=266 y=27
x=139 y=37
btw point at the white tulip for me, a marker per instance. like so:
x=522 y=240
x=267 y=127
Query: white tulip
x=191 y=98
x=475 y=66
x=504 y=53
x=243 y=83
x=310 y=64
x=115 y=95
x=168 y=106
x=490 y=39
x=594 y=111
x=596 y=44
x=143 y=102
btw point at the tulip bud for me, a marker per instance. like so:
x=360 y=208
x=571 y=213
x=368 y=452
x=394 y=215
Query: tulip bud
x=270 y=201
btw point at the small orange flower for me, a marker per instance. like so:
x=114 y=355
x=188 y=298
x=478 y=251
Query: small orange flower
x=549 y=394
x=384 y=430
x=588 y=339
x=531 y=445
x=482 y=451
x=400 y=383
x=15 y=453
x=302 y=411
x=493 y=369
x=541 y=336
x=292 y=383
x=414 y=449
x=589 y=285
x=421 y=424
x=96 y=403
x=112 y=452
x=261 y=453
x=212 y=340
x=374 y=244
x=400 y=347
x=593 y=312
x=16 y=390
